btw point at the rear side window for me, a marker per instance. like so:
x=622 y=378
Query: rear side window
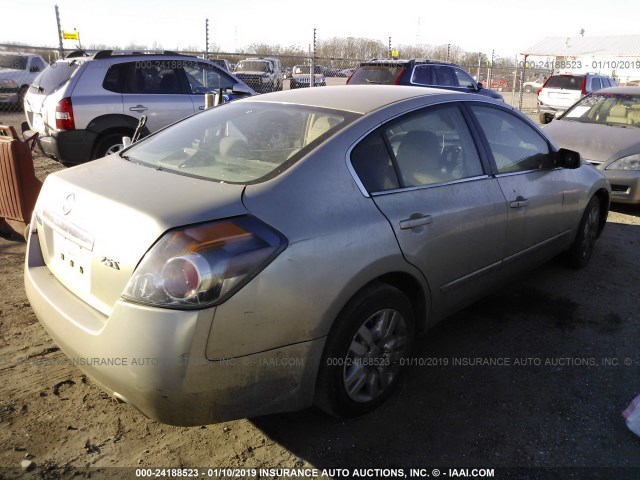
x=596 y=84
x=372 y=162
x=115 y=77
x=425 y=148
x=423 y=75
x=565 y=82
x=55 y=76
x=376 y=74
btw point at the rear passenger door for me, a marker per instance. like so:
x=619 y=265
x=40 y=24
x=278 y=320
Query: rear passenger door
x=425 y=175
x=157 y=89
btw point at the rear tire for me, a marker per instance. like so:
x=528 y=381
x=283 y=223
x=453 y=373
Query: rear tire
x=544 y=118
x=363 y=355
x=582 y=249
x=108 y=145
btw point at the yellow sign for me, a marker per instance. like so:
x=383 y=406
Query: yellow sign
x=71 y=35
x=394 y=54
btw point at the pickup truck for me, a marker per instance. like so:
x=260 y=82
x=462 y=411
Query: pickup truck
x=17 y=72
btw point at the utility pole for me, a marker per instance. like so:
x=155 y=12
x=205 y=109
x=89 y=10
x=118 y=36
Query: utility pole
x=313 y=62
x=206 y=35
x=61 y=48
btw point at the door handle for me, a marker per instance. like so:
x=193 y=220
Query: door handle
x=410 y=223
x=519 y=202
x=138 y=108
x=201 y=107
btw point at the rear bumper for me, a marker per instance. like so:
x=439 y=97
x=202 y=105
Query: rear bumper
x=73 y=146
x=154 y=359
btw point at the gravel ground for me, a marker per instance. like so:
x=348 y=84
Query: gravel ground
x=568 y=363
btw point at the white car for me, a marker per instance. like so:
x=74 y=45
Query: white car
x=17 y=72
x=562 y=90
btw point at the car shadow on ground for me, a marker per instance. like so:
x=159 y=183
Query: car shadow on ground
x=534 y=375
x=633 y=210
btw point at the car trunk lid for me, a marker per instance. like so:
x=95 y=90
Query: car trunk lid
x=96 y=221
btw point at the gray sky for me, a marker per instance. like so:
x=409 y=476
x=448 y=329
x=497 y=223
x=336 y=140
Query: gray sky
x=507 y=27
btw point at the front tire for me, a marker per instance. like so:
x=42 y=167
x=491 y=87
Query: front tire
x=582 y=249
x=363 y=355
x=544 y=118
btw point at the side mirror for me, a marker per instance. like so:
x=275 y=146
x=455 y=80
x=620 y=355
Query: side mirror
x=126 y=141
x=568 y=159
x=480 y=86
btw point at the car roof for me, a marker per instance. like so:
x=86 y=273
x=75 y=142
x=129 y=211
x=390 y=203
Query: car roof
x=622 y=90
x=400 y=61
x=353 y=98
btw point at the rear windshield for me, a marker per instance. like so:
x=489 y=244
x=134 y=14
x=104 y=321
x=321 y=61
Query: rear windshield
x=54 y=76
x=565 y=82
x=239 y=142
x=376 y=74
x=16 y=62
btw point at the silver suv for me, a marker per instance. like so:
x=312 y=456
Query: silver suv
x=562 y=90
x=83 y=105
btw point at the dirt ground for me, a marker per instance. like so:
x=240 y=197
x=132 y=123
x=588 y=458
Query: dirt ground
x=570 y=363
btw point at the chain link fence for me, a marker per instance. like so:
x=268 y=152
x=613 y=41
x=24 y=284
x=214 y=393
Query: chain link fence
x=332 y=62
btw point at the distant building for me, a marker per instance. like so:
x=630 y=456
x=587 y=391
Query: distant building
x=617 y=56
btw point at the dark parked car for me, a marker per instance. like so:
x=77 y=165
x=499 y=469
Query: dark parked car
x=420 y=73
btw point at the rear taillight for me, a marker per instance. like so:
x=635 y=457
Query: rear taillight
x=203 y=265
x=64 y=115
x=397 y=80
x=584 y=85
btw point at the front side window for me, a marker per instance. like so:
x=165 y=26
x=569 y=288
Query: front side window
x=430 y=147
x=239 y=142
x=515 y=146
x=204 y=78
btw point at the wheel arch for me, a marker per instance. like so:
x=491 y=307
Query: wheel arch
x=417 y=293
x=110 y=124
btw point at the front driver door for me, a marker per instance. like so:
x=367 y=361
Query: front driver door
x=538 y=195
